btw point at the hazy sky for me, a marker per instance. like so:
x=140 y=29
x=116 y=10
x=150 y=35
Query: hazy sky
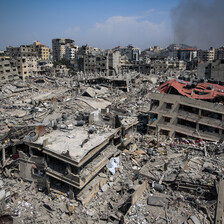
x=100 y=23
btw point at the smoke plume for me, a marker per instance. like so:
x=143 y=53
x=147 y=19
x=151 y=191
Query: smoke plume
x=199 y=22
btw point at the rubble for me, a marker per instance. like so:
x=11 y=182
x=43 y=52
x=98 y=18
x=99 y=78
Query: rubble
x=80 y=151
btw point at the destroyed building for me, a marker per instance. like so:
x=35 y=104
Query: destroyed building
x=89 y=148
x=212 y=70
x=61 y=48
x=8 y=70
x=103 y=63
x=33 y=50
x=175 y=115
x=72 y=157
x=182 y=110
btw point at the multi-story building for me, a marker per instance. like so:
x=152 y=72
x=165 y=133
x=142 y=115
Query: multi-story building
x=175 y=115
x=42 y=50
x=131 y=52
x=212 y=70
x=186 y=54
x=206 y=55
x=107 y=63
x=27 y=66
x=219 y=53
x=8 y=70
x=70 y=51
x=114 y=58
x=59 y=46
x=86 y=49
x=73 y=162
x=22 y=51
x=33 y=50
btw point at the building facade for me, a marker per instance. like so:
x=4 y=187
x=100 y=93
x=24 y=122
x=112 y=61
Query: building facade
x=174 y=115
x=212 y=70
x=187 y=54
x=206 y=55
x=42 y=50
x=34 y=50
x=27 y=66
x=59 y=46
x=105 y=64
x=8 y=70
x=133 y=53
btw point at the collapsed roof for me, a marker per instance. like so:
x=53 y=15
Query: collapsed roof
x=195 y=90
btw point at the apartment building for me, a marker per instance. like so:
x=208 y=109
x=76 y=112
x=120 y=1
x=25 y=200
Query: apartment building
x=42 y=50
x=22 y=51
x=59 y=46
x=175 y=115
x=8 y=70
x=186 y=54
x=212 y=70
x=33 y=50
x=219 y=53
x=133 y=53
x=106 y=64
x=206 y=55
x=73 y=162
x=27 y=66
x=70 y=51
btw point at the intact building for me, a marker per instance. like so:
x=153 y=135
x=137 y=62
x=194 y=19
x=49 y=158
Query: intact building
x=71 y=51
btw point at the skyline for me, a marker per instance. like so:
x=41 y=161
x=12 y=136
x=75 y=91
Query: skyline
x=143 y=24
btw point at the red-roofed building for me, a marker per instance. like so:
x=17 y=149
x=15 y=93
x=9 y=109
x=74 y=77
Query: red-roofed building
x=201 y=91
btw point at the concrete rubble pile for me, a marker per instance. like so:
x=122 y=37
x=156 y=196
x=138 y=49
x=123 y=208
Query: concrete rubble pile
x=79 y=151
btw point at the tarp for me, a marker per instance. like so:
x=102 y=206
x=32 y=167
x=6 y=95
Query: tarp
x=202 y=91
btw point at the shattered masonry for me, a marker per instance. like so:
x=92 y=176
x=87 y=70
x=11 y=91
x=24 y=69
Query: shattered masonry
x=111 y=149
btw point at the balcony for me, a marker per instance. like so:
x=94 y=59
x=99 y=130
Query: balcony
x=70 y=178
x=188 y=116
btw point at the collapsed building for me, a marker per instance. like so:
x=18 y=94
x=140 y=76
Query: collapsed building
x=73 y=157
x=182 y=110
x=64 y=151
x=75 y=139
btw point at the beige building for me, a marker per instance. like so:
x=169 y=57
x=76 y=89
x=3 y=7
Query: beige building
x=8 y=70
x=34 y=50
x=27 y=66
x=42 y=50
